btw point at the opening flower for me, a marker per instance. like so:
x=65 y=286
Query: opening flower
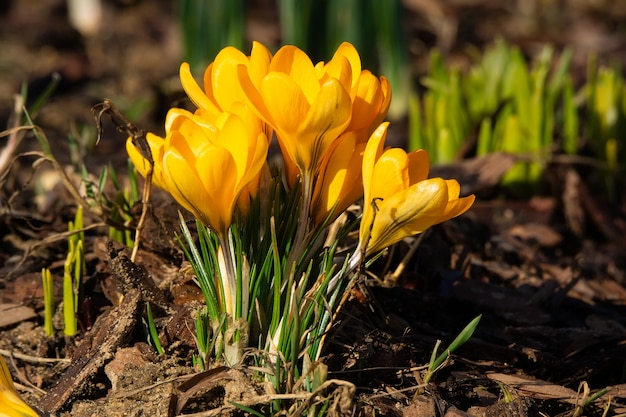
x=11 y=405
x=306 y=110
x=399 y=199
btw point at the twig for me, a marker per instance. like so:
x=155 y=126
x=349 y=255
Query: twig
x=138 y=138
x=50 y=239
x=263 y=399
x=13 y=136
x=409 y=255
x=32 y=359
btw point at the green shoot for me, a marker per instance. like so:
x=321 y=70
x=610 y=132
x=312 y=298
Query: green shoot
x=153 y=333
x=48 y=300
x=73 y=270
x=586 y=399
x=506 y=393
x=437 y=361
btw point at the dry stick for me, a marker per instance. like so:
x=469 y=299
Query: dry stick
x=46 y=241
x=263 y=399
x=33 y=359
x=147 y=186
x=22 y=377
x=138 y=138
x=413 y=248
x=46 y=155
x=13 y=136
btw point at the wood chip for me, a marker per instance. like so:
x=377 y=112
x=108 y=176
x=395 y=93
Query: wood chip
x=109 y=333
x=15 y=313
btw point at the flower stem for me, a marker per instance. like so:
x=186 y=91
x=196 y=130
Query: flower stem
x=300 y=242
x=228 y=275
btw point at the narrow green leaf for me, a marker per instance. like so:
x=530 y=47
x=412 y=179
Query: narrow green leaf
x=154 y=333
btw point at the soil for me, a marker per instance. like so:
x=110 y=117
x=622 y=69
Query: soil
x=547 y=274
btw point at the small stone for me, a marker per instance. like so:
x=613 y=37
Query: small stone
x=125 y=357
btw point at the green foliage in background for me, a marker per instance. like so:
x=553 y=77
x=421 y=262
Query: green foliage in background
x=506 y=102
x=606 y=123
x=209 y=26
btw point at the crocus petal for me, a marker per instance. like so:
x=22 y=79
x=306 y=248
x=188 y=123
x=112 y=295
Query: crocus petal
x=385 y=89
x=418 y=166
x=142 y=165
x=340 y=170
x=348 y=52
x=390 y=174
x=178 y=167
x=456 y=206
x=373 y=150
x=286 y=103
x=408 y=213
x=296 y=65
x=173 y=118
x=259 y=64
x=193 y=90
x=369 y=102
x=339 y=69
x=223 y=77
x=216 y=168
x=328 y=117
x=11 y=405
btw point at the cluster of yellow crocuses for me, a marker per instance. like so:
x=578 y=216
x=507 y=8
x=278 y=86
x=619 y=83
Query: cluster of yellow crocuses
x=327 y=118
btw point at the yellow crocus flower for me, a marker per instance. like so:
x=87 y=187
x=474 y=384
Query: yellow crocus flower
x=307 y=112
x=399 y=199
x=206 y=161
x=11 y=405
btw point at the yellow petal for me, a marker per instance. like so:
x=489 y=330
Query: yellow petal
x=368 y=101
x=287 y=106
x=11 y=405
x=217 y=171
x=171 y=118
x=294 y=63
x=408 y=213
x=183 y=181
x=384 y=107
x=223 y=77
x=390 y=174
x=326 y=120
x=456 y=206
x=339 y=68
x=372 y=152
x=233 y=136
x=340 y=171
x=348 y=51
x=418 y=166
x=253 y=96
x=193 y=90
x=156 y=147
x=259 y=64
x=257 y=157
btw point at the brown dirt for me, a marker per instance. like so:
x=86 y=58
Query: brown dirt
x=552 y=294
